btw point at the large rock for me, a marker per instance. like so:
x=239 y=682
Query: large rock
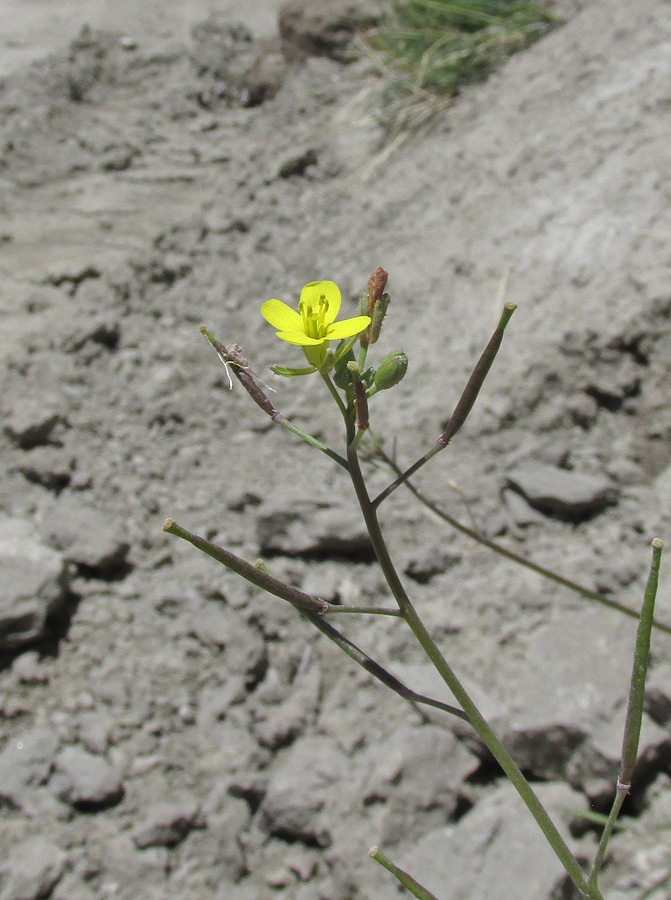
x=33 y=583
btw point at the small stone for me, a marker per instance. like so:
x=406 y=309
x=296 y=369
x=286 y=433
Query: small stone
x=519 y=510
x=86 y=781
x=214 y=701
x=32 y=870
x=562 y=494
x=596 y=766
x=428 y=561
x=297 y=789
x=48 y=467
x=167 y=824
x=28 y=669
x=417 y=778
x=277 y=725
x=88 y=539
x=34 y=583
x=658 y=693
x=32 y=423
x=102 y=331
x=26 y=763
x=298 y=165
x=323 y=530
x=94 y=732
x=244 y=650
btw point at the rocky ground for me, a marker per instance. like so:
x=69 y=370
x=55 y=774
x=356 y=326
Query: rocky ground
x=167 y=731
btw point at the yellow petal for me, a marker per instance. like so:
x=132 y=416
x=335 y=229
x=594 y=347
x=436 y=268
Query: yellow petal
x=313 y=291
x=281 y=316
x=347 y=327
x=300 y=338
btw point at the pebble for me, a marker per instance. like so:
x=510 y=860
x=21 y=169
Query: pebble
x=86 y=781
x=26 y=763
x=334 y=530
x=167 y=824
x=93 y=542
x=658 y=693
x=34 y=581
x=297 y=790
x=32 y=423
x=32 y=870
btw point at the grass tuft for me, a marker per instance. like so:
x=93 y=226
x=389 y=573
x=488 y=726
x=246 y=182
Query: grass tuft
x=429 y=49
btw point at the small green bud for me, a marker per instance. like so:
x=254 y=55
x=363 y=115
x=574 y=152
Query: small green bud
x=391 y=370
x=329 y=362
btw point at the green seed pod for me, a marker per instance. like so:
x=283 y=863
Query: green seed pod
x=363 y=304
x=391 y=370
x=379 y=312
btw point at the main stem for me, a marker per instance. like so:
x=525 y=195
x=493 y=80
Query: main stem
x=476 y=719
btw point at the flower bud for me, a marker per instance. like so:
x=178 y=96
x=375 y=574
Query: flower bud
x=391 y=370
x=376 y=285
x=374 y=304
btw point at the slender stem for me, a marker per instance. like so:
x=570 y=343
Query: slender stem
x=334 y=393
x=475 y=717
x=362 y=355
x=375 y=669
x=632 y=727
x=370 y=610
x=356 y=440
x=620 y=794
x=408 y=882
x=234 y=358
x=309 y=439
x=249 y=572
x=585 y=592
x=465 y=403
x=313 y=609
x=403 y=476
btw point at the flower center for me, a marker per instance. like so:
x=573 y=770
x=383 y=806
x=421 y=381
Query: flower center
x=313 y=319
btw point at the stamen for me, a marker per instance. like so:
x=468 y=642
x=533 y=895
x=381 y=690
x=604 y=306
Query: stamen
x=314 y=324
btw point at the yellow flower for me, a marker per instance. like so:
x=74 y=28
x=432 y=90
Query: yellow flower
x=314 y=325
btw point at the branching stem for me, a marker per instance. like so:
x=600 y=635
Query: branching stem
x=475 y=717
